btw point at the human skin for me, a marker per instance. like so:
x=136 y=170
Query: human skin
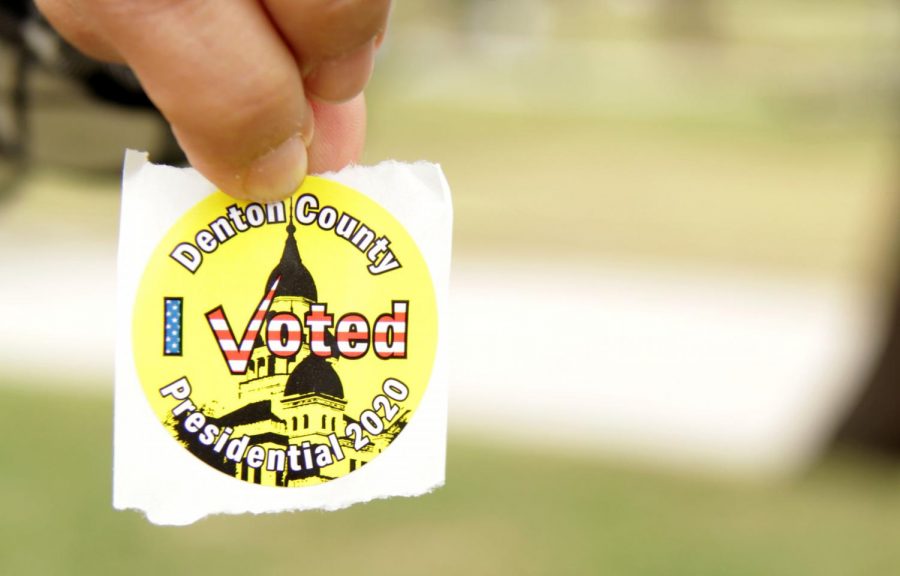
x=258 y=92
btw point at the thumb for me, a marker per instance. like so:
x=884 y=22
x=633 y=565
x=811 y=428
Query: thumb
x=220 y=74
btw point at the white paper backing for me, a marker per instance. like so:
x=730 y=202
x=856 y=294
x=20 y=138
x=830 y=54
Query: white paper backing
x=153 y=473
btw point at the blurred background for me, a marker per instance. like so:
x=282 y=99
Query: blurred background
x=703 y=195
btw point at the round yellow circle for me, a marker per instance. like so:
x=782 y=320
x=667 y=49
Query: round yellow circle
x=286 y=344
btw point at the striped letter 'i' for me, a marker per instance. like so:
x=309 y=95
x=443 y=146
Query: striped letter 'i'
x=172 y=344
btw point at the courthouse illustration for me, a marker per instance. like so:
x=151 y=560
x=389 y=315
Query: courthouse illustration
x=294 y=400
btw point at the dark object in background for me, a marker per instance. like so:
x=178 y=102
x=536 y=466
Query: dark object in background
x=874 y=422
x=35 y=44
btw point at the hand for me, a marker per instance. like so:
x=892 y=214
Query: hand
x=258 y=92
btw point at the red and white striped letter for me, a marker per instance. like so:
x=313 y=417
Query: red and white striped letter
x=284 y=335
x=318 y=320
x=236 y=356
x=353 y=336
x=389 y=338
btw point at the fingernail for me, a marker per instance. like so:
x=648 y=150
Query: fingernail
x=277 y=173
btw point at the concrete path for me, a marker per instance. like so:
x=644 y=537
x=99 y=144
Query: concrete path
x=689 y=367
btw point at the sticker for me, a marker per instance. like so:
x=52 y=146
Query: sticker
x=286 y=344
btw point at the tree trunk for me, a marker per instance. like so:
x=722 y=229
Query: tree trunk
x=874 y=422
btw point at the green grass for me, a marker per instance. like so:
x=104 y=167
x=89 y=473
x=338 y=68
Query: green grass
x=501 y=512
x=769 y=145
x=591 y=189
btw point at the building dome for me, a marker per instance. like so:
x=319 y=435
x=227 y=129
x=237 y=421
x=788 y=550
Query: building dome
x=296 y=281
x=314 y=375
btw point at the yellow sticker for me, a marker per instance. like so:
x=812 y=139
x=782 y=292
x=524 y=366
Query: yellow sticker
x=286 y=344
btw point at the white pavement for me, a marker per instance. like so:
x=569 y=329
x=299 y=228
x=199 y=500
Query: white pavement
x=692 y=368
